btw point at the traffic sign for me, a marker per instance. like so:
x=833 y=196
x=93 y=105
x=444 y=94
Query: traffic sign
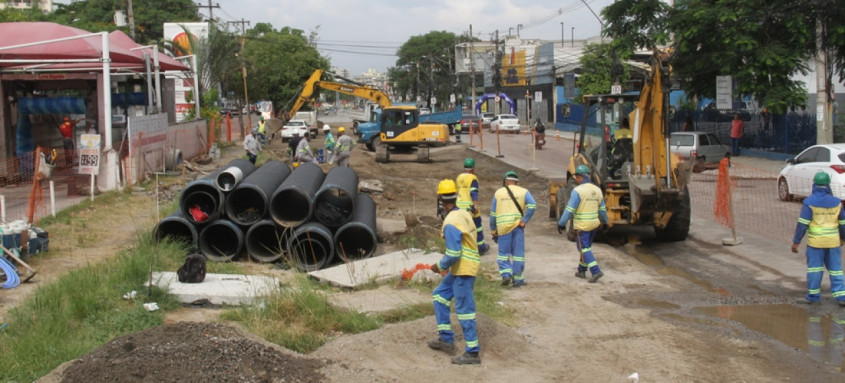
x=616 y=89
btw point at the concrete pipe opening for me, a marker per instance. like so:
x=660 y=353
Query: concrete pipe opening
x=221 y=240
x=266 y=242
x=204 y=197
x=311 y=247
x=177 y=228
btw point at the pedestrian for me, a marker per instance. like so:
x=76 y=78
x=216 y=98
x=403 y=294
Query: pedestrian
x=688 y=125
x=468 y=187
x=344 y=147
x=823 y=220
x=736 y=134
x=587 y=210
x=462 y=263
x=262 y=130
x=66 y=129
x=512 y=208
x=304 y=152
x=251 y=145
x=329 y=143
x=293 y=143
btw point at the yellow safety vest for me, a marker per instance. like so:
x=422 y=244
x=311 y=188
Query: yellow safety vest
x=823 y=231
x=623 y=133
x=262 y=127
x=586 y=216
x=470 y=262
x=464 y=184
x=507 y=215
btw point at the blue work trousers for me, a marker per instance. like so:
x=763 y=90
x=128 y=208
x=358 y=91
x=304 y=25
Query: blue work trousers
x=587 y=259
x=511 y=258
x=461 y=288
x=817 y=260
x=480 y=230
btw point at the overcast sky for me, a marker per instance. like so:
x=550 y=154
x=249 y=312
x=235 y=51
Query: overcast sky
x=362 y=34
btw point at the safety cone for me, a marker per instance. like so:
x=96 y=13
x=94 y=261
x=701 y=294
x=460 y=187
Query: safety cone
x=557 y=135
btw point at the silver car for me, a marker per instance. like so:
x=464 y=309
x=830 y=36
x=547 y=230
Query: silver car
x=701 y=147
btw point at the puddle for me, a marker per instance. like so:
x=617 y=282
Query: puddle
x=819 y=335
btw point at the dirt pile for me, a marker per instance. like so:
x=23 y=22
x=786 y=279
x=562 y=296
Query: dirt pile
x=192 y=352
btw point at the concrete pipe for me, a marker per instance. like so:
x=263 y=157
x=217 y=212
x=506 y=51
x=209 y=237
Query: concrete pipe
x=172 y=159
x=310 y=247
x=267 y=242
x=290 y=204
x=203 y=195
x=334 y=203
x=221 y=240
x=177 y=228
x=248 y=202
x=233 y=173
x=357 y=238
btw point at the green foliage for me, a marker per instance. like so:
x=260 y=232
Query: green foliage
x=602 y=67
x=637 y=23
x=427 y=58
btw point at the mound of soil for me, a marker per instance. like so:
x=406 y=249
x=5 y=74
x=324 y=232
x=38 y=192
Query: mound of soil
x=192 y=352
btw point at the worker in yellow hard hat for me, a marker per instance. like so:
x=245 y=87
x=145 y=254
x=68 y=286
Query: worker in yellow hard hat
x=462 y=262
x=343 y=147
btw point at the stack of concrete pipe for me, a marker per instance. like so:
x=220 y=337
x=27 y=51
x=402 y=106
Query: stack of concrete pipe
x=271 y=213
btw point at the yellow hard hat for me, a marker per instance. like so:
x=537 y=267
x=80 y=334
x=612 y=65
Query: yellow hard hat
x=447 y=186
x=296 y=164
x=341 y=129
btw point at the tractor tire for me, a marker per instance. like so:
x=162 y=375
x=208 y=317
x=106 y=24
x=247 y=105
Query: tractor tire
x=423 y=154
x=382 y=154
x=373 y=143
x=678 y=227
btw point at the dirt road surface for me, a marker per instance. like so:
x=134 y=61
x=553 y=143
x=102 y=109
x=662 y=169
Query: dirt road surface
x=688 y=312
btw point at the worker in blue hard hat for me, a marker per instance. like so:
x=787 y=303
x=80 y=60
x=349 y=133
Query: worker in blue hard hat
x=468 y=187
x=587 y=210
x=823 y=220
x=512 y=208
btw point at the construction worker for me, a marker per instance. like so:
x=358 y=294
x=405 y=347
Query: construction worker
x=512 y=208
x=329 y=143
x=468 y=200
x=251 y=145
x=293 y=143
x=344 y=147
x=823 y=220
x=304 y=152
x=66 y=129
x=587 y=211
x=462 y=262
x=262 y=130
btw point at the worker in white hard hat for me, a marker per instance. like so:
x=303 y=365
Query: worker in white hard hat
x=330 y=142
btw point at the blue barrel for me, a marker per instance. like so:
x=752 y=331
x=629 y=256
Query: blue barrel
x=320 y=156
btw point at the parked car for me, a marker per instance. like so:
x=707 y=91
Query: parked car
x=299 y=127
x=471 y=121
x=487 y=117
x=796 y=178
x=704 y=149
x=504 y=123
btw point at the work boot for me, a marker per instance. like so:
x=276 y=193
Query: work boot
x=805 y=301
x=841 y=303
x=467 y=358
x=440 y=345
x=581 y=274
x=483 y=249
x=596 y=277
x=506 y=280
x=519 y=284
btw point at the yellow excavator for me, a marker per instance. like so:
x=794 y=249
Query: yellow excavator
x=396 y=127
x=642 y=181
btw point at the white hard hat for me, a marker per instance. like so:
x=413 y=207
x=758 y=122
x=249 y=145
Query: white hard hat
x=326 y=127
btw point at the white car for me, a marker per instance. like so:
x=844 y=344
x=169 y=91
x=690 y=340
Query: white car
x=504 y=123
x=300 y=127
x=425 y=111
x=796 y=179
x=487 y=117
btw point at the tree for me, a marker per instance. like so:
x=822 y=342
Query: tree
x=602 y=66
x=427 y=58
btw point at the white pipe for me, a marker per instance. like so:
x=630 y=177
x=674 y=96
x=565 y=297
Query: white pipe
x=149 y=83
x=197 y=88
x=158 y=80
x=59 y=61
x=107 y=92
x=52 y=198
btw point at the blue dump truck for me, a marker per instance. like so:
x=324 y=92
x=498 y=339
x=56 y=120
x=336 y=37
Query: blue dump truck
x=369 y=132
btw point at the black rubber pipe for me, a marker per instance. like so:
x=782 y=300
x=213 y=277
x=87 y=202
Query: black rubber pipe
x=177 y=228
x=230 y=175
x=334 y=203
x=290 y=204
x=203 y=194
x=311 y=247
x=221 y=240
x=248 y=202
x=266 y=241
x=357 y=238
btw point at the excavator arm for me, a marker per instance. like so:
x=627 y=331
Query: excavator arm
x=314 y=84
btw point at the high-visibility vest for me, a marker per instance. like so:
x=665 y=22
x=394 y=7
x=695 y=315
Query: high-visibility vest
x=464 y=184
x=586 y=216
x=507 y=215
x=823 y=230
x=469 y=261
x=262 y=127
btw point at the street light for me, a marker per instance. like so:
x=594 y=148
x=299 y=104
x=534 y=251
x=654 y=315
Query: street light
x=518 y=27
x=562 y=37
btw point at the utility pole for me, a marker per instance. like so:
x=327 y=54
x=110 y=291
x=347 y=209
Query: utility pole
x=246 y=94
x=131 y=19
x=497 y=73
x=243 y=24
x=417 y=85
x=210 y=9
x=472 y=66
x=562 y=37
x=824 y=133
x=573 y=37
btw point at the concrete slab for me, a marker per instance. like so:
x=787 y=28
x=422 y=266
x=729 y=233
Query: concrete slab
x=377 y=269
x=219 y=289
